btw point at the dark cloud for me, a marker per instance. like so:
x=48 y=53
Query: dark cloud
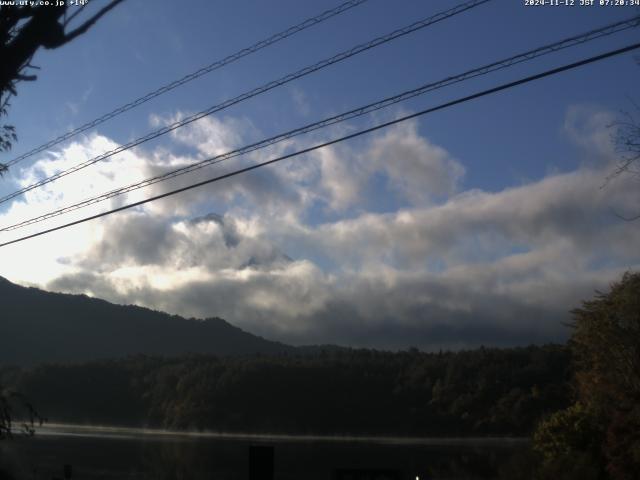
x=305 y=307
x=133 y=238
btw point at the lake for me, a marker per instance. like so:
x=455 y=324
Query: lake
x=121 y=453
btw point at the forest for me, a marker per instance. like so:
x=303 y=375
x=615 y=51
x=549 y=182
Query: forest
x=334 y=391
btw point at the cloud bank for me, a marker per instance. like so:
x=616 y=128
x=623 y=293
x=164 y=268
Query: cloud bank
x=376 y=243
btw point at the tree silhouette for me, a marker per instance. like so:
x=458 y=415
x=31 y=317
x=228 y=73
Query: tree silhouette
x=23 y=31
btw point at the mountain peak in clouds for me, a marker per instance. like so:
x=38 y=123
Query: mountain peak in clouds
x=209 y=217
x=39 y=326
x=228 y=229
x=232 y=239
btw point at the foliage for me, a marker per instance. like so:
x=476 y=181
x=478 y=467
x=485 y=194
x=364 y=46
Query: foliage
x=568 y=435
x=7 y=135
x=479 y=392
x=604 y=424
x=606 y=343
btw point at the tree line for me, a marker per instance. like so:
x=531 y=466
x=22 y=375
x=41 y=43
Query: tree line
x=480 y=392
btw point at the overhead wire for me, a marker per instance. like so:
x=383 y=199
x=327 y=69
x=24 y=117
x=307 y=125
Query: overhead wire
x=309 y=22
x=572 y=41
x=257 y=91
x=529 y=55
x=359 y=133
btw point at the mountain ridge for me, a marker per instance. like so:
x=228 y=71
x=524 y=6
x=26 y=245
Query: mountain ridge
x=38 y=326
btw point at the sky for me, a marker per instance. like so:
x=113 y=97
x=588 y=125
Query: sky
x=482 y=224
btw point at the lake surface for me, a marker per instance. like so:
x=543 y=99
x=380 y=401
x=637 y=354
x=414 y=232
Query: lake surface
x=115 y=453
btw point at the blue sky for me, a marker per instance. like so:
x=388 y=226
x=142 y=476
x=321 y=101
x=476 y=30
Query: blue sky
x=138 y=48
x=410 y=236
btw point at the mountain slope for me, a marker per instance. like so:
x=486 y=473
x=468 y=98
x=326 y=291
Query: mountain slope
x=38 y=326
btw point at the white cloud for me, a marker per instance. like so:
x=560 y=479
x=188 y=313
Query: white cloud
x=300 y=101
x=450 y=268
x=209 y=135
x=416 y=168
x=591 y=128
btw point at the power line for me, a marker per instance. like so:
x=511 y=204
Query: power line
x=192 y=76
x=495 y=66
x=257 y=91
x=341 y=139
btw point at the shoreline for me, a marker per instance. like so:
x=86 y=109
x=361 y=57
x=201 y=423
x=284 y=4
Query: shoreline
x=103 y=431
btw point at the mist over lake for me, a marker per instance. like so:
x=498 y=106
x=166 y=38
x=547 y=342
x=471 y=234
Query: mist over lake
x=119 y=453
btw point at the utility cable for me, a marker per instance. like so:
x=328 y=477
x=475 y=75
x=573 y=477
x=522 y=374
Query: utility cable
x=192 y=76
x=257 y=91
x=499 y=65
x=458 y=101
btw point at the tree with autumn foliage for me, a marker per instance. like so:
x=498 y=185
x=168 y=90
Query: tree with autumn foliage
x=603 y=426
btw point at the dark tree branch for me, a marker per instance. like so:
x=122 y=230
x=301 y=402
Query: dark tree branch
x=72 y=16
x=26 y=78
x=626 y=138
x=24 y=30
x=89 y=23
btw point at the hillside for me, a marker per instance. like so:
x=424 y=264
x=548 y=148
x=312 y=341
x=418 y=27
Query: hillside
x=38 y=326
